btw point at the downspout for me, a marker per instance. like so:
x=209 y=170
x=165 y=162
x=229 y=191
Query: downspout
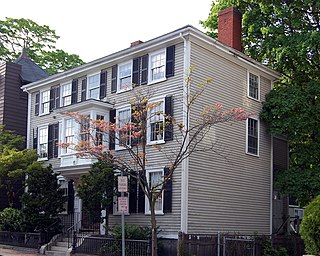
x=28 y=120
x=185 y=162
x=271 y=187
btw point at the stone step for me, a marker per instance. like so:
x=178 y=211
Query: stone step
x=55 y=253
x=58 y=248
x=63 y=244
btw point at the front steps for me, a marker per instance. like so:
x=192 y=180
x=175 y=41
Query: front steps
x=60 y=249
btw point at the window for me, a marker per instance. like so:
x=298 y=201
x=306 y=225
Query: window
x=157 y=66
x=94 y=86
x=253 y=86
x=123 y=118
x=252 y=136
x=66 y=94
x=125 y=73
x=156 y=123
x=84 y=129
x=155 y=178
x=43 y=142
x=69 y=130
x=99 y=134
x=45 y=102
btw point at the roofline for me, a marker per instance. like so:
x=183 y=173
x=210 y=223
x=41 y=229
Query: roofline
x=174 y=35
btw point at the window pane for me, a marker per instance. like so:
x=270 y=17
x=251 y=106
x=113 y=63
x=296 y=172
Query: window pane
x=158 y=66
x=66 y=94
x=43 y=142
x=69 y=134
x=157 y=122
x=45 y=98
x=253 y=86
x=93 y=85
x=125 y=76
x=155 y=178
x=252 y=136
x=124 y=118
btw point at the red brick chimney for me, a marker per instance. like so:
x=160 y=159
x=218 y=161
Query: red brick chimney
x=136 y=43
x=229 y=27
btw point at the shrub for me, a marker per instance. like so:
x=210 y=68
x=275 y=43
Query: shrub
x=132 y=232
x=11 y=220
x=310 y=226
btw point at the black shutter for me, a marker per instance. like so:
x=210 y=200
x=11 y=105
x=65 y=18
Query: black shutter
x=37 y=104
x=35 y=138
x=74 y=92
x=114 y=79
x=168 y=130
x=112 y=119
x=136 y=71
x=144 y=69
x=84 y=89
x=103 y=84
x=170 y=61
x=52 y=99
x=50 y=141
x=55 y=139
x=70 y=197
x=141 y=200
x=167 y=204
x=133 y=195
x=57 y=99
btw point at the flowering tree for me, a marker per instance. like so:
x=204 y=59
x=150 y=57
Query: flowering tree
x=131 y=136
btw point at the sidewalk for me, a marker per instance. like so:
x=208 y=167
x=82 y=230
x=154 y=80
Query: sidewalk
x=9 y=250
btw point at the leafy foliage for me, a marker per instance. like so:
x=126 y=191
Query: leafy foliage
x=10 y=140
x=11 y=220
x=43 y=201
x=285 y=36
x=96 y=189
x=39 y=42
x=131 y=232
x=309 y=228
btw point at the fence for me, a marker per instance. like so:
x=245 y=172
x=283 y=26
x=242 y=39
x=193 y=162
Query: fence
x=111 y=247
x=31 y=240
x=234 y=245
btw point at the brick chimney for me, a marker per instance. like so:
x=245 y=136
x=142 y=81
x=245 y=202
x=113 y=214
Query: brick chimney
x=229 y=27
x=136 y=43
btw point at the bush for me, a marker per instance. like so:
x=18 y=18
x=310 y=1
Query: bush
x=11 y=220
x=132 y=232
x=268 y=250
x=310 y=226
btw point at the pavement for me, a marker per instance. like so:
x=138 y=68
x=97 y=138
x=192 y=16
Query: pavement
x=8 y=250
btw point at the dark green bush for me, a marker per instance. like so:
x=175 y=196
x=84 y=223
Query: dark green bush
x=132 y=232
x=11 y=220
x=268 y=250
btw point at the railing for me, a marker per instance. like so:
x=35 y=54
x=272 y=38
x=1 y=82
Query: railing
x=110 y=246
x=31 y=240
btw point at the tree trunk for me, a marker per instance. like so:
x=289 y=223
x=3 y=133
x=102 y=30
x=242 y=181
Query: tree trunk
x=154 y=239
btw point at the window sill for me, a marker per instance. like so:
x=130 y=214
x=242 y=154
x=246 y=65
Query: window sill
x=252 y=98
x=157 y=213
x=157 y=81
x=251 y=154
x=156 y=142
x=119 y=148
x=42 y=159
x=123 y=90
x=44 y=114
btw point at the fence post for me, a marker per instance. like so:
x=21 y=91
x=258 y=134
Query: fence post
x=74 y=241
x=218 y=253
x=180 y=243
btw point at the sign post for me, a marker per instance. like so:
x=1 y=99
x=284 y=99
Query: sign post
x=123 y=205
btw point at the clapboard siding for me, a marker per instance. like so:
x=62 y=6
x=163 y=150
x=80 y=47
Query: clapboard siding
x=228 y=190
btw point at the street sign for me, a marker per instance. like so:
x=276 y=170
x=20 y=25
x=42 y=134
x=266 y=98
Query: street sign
x=123 y=204
x=122 y=184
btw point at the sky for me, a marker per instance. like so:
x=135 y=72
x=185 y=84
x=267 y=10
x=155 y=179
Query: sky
x=96 y=28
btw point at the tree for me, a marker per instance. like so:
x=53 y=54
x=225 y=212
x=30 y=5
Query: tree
x=96 y=190
x=13 y=166
x=309 y=228
x=43 y=201
x=39 y=42
x=132 y=137
x=285 y=36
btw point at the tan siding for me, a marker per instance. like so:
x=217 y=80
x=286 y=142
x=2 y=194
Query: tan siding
x=228 y=189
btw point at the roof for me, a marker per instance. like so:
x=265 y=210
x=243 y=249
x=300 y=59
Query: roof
x=30 y=71
x=176 y=35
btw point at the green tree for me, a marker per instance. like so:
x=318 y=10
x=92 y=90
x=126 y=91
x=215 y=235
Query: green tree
x=43 y=201
x=13 y=166
x=11 y=220
x=39 y=42
x=96 y=190
x=309 y=228
x=285 y=36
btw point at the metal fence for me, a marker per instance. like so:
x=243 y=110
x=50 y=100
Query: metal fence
x=31 y=240
x=111 y=247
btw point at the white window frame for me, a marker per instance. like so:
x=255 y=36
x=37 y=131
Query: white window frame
x=151 y=55
x=129 y=87
x=249 y=85
x=159 y=141
x=44 y=110
x=118 y=110
x=94 y=88
x=43 y=127
x=147 y=206
x=67 y=151
x=69 y=95
x=247 y=136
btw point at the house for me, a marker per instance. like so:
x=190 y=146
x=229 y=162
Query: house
x=14 y=102
x=209 y=193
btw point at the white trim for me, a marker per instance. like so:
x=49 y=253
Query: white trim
x=258 y=136
x=119 y=90
x=147 y=209
x=248 y=85
x=61 y=93
x=41 y=127
x=150 y=81
x=29 y=121
x=88 y=89
x=41 y=113
x=185 y=162
x=271 y=185
x=161 y=141
x=122 y=108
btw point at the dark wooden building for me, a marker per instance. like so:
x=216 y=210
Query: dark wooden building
x=14 y=102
